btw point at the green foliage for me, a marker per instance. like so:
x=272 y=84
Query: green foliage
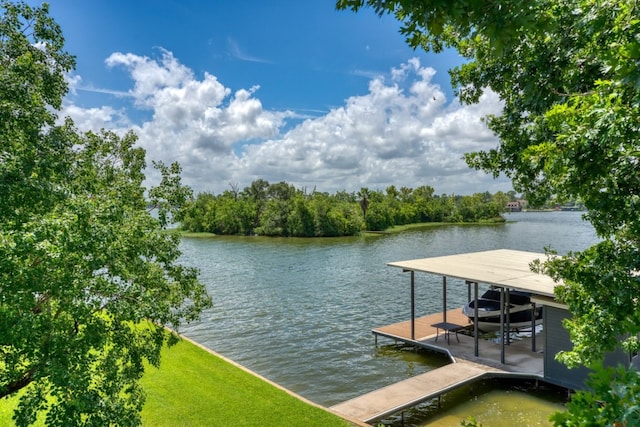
x=273 y=221
x=170 y=195
x=470 y=422
x=611 y=401
x=82 y=261
x=301 y=220
x=282 y=210
x=568 y=74
x=193 y=387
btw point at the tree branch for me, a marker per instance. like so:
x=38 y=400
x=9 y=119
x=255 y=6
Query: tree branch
x=18 y=384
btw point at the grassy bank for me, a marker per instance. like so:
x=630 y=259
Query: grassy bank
x=194 y=387
x=426 y=225
x=197 y=388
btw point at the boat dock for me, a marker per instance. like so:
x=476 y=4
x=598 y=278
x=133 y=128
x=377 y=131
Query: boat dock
x=465 y=368
x=423 y=326
x=522 y=355
x=474 y=356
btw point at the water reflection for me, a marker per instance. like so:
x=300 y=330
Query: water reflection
x=495 y=403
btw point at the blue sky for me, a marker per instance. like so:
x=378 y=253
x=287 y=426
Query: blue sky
x=289 y=91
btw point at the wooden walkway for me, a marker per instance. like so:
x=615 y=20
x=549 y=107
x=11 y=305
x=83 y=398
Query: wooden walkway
x=466 y=368
x=381 y=403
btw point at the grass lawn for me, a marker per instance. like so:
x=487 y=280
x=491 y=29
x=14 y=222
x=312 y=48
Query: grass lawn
x=196 y=388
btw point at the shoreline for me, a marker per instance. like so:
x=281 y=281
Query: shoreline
x=392 y=230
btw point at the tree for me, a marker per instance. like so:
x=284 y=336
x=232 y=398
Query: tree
x=500 y=201
x=379 y=213
x=273 y=220
x=567 y=73
x=199 y=214
x=281 y=191
x=300 y=220
x=363 y=194
x=470 y=207
x=88 y=277
x=257 y=194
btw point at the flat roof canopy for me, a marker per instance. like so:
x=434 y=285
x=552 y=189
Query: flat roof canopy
x=504 y=268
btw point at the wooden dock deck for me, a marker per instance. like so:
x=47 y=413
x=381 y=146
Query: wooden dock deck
x=520 y=361
x=423 y=328
x=381 y=403
x=519 y=357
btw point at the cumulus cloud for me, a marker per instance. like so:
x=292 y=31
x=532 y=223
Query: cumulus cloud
x=196 y=122
x=94 y=119
x=403 y=131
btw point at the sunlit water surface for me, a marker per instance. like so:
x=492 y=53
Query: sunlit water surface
x=300 y=311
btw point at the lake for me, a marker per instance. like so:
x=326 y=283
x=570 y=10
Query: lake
x=300 y=311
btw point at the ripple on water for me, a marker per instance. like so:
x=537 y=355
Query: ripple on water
x=300 y=311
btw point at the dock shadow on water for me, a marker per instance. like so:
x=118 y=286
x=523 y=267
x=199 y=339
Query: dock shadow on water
x=414 y=359
x=493 y=403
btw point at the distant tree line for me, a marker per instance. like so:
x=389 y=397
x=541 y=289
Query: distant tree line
x=282 y=210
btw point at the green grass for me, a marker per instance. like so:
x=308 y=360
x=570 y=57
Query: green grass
x=198 y=234
x=196 y=388
x=426 y=225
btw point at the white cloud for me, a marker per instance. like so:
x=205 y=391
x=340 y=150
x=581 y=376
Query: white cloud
x=152 y=77
x=94 y=119
x=403 y=131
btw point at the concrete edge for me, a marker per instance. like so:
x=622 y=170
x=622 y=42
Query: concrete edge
x=276 y=385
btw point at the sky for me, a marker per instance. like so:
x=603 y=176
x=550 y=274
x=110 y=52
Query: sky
x=292 y=91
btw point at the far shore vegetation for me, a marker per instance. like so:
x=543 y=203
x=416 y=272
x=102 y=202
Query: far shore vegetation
x=390 y=230
x=282 y=210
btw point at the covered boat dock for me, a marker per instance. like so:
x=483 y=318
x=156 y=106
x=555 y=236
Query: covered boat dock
x=450 y=332
x=503 y=269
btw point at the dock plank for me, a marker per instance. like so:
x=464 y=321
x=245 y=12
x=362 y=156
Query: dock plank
x=423 y=325
x=389 y=400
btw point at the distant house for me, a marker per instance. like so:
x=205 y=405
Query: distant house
x=514 y=207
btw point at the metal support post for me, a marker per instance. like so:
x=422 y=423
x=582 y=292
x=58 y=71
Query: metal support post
x=444 y=299
x=502 y=325
x=413 y=306
x=533 y=327
x=476 y=331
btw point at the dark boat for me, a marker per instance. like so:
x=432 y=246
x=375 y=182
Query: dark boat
x=489 y=311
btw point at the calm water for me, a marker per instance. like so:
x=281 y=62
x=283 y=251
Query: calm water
x=300 y=311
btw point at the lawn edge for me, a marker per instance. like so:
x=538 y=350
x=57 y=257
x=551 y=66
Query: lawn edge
x=276 y=385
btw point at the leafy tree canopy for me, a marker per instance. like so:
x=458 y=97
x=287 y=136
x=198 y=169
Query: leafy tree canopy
x=88 y=277
x=568 y=73
x=282 y=210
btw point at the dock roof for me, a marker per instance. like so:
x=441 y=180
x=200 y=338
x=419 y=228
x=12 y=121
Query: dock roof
x=502 y=268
